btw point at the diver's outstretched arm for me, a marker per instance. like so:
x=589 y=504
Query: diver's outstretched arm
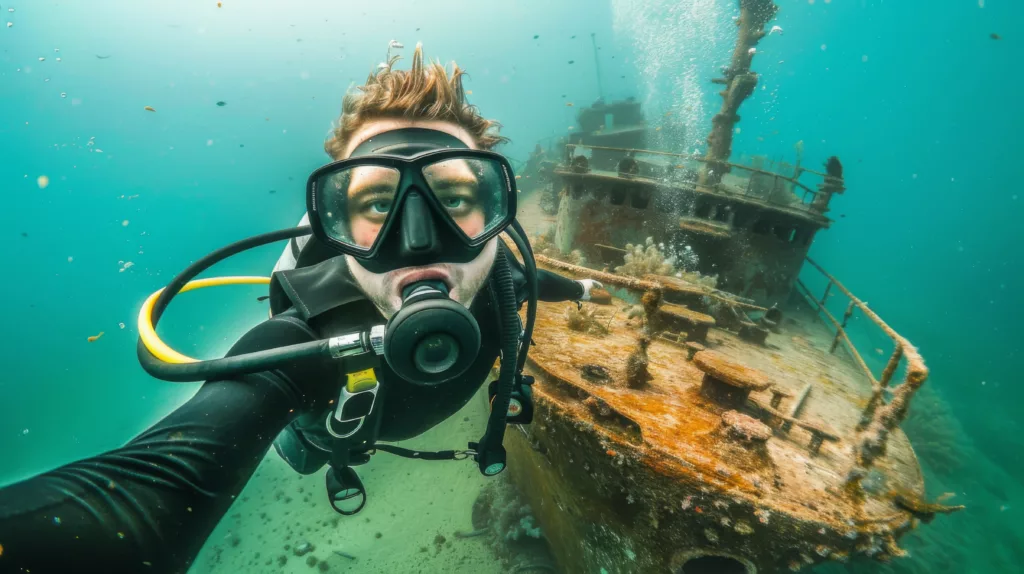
x=552 y=287
x=150 y=505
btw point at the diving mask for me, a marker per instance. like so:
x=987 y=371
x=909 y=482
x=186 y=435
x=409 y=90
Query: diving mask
x=411 y=197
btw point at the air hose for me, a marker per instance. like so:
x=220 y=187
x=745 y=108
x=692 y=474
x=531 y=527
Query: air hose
x=490 y=454
x=184 y=369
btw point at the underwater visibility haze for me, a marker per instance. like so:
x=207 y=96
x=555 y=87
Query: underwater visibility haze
x=698 y=413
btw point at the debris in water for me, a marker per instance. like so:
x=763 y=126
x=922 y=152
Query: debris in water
x=572 y=61
x=344 y=554
x=41 y=59
x=24 y=234
x=95 y=338
x=121 y=325
x=993 y=35
x=263 y=298
x=568 y=104
x=535 y=36
x=469 y=92
x=149 y=109
x=752 y=51
x=775 y=29
x=98 y=57
x=273 y=191
x=42 y=181
x=395 y=44
x=222 y=103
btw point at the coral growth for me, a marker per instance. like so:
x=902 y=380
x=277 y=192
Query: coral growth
x=637 y=374
x=646 y=259
x=544 y=244
x=586 y=319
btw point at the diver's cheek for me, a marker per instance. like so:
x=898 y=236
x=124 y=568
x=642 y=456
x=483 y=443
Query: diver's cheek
x=472 y=225
x=364 y=233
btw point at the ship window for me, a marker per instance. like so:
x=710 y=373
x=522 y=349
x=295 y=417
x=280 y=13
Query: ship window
x=703 y=210
x=576 y=190
x=609 y=122
x=783 y=232
x=640 y=199
x=762 y=227
x=618 y=195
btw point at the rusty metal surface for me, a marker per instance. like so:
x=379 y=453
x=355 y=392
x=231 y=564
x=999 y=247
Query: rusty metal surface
x=670 y=435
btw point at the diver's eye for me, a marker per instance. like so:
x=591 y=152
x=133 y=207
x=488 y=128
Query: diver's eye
x=380 y=207
x=453 y=202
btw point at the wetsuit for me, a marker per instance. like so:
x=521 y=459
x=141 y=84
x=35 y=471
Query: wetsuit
x=150 y=505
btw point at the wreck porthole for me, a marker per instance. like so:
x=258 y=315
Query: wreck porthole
x=710 y=562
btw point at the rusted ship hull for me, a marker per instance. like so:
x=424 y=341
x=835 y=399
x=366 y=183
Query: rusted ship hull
x=625 y=480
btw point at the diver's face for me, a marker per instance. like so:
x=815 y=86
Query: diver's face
x=464 y=280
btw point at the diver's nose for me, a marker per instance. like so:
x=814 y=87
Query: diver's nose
x=419 y=235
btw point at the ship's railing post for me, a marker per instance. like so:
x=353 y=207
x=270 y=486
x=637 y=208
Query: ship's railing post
x=842 y=327
x=824 y=297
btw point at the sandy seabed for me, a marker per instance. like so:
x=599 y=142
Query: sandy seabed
x=413 y=510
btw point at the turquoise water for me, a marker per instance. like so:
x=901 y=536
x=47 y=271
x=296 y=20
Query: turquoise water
x=917 y=98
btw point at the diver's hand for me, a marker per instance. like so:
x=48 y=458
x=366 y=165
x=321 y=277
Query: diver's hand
x=588 y=285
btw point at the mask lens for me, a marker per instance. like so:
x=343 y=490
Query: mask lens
x=354 y=203
x=473 y=192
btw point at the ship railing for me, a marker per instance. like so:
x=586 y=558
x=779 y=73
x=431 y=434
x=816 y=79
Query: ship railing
x=782 y=191
x=879 y=417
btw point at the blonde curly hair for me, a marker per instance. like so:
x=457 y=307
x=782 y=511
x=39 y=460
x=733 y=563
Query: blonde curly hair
x=424 y=92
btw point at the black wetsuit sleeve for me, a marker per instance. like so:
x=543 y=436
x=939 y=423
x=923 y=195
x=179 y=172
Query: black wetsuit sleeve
x=552 y=287
x=150 y=505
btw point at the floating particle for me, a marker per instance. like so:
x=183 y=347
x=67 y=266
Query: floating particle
x=10 y=9
x=469 y=92
x=42 y=59
x=824 y=47
x=70 y=259
x=9 y=24
x=222 y=103
x=775 y=29
x=209 y=142
x=24 y=431
x=121 y=325
x=124 y=223
x=58 y=59
x=752 y=51
x=864 y=58
x=273 y=191
x=570 y=127
x=395 y=44
x=219 y=4
x=42 y=181
x=535 y=36
x=568 y=104
x=56 y=520
x=94 y=338
x=993 y=35
x=519 y=177
x=149 y=109
x=572 y=61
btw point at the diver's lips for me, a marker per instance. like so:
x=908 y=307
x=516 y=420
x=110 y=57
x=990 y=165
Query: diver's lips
x=423 y=275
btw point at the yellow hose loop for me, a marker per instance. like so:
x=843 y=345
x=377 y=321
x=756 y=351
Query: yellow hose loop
x=148 y=334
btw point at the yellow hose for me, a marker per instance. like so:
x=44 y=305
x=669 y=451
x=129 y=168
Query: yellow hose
x=147 y=332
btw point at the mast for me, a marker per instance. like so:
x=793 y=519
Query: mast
x=739 y=83
x=597 y=67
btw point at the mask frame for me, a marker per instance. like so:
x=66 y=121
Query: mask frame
x=412 y=180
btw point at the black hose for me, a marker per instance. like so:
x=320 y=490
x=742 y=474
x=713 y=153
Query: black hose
x=227 y=366
x=518 y=236
x=490 y=450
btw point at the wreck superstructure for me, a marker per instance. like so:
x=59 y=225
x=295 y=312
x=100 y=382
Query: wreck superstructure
x=716 y=418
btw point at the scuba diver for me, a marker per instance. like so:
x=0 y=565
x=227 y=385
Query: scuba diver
x=388 y=313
